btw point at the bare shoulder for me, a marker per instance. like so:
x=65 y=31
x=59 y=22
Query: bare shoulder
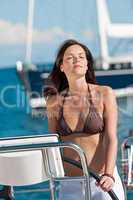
x=104 y=92
x=108 y=91
x=108 y=94
x=52 y=101
x=101 y=88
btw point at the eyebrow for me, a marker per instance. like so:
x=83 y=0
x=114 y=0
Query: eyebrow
x=72 y=53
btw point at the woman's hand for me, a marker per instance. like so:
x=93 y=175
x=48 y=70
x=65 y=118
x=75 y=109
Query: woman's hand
x=106 y=183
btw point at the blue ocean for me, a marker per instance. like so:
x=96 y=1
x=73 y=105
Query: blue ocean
x=16 y=119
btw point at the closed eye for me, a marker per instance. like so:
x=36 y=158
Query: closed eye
x=70 y=57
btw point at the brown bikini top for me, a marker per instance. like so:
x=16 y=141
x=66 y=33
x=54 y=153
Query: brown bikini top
x=92 y=124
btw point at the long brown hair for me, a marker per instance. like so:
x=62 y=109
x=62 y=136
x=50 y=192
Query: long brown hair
x=58 y=78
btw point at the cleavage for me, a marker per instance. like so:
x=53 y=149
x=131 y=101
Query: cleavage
x=72 y=114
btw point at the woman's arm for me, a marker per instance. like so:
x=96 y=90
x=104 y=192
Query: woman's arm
x=110 y=117
x=110 y=120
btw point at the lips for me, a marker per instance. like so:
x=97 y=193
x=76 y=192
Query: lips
x=77 y=65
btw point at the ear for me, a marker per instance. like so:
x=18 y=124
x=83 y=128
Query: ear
x=86 y=67
x=61 y=68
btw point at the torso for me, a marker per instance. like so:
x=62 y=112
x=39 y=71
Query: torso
x=79 y=113
x=92 y=144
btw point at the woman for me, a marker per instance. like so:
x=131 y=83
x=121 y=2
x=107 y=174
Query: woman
x=85 y=113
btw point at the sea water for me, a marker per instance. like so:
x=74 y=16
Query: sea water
x=16 y=119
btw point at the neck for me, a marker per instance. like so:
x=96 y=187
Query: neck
x=78 y=85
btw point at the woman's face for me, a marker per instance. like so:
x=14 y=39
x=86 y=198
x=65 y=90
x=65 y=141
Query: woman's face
x=74 y=61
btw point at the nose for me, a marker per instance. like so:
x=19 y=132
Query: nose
x=75 y=59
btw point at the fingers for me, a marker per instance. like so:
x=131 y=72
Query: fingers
x=106 y=183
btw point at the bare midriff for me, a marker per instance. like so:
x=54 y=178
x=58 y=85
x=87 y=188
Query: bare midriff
x=93 y=147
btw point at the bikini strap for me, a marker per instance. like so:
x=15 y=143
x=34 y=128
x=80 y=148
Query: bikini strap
x=63 y=101
x=90 y=95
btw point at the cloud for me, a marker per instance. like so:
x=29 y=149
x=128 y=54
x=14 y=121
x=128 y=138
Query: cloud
x=50 y=35
x=88 y=34
x=11 y=33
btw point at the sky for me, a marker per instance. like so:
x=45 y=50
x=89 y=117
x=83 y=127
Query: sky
x=54 y=22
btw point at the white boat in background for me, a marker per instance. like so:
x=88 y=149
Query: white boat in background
x=116 y=72
x=114 y=30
